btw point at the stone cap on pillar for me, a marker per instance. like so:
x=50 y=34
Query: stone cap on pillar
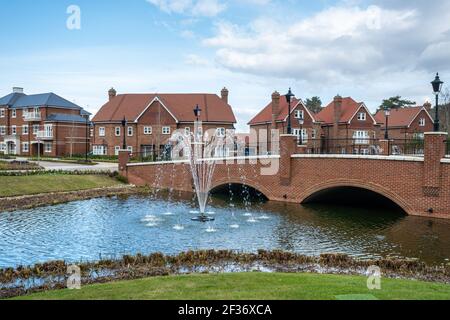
x=436 y=133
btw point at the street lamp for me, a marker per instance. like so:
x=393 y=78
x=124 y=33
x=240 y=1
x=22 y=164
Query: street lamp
x=289 y=96
x=301 y=122
x=387 y=113
x=124 y=123
x=437 y=86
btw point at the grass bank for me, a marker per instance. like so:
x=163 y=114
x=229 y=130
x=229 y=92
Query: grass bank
x=11 y=186
x=4 y=166
x=250 y=286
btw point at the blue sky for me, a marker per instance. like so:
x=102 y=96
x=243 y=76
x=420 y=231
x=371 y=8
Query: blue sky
x=366 y=49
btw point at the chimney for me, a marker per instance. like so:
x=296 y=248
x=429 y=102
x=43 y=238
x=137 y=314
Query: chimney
x=112 y=93
x=337 y=109
x=427 y=105
x=275 y=108
x=17 y=90
x=224 y=94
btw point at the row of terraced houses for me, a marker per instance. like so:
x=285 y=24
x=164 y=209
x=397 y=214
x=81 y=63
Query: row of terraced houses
x=50 y=125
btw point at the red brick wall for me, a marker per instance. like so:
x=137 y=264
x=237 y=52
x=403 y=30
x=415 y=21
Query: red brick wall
x=401 y=181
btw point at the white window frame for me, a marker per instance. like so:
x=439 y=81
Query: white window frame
x=13 y=113
x=117 y=131
x=187 y=131
x=25 y=147
x=116 y=150
x=48 y=130
x=48 y=147
x=99 y=150
x=14 y=130
x=303 y=133
x=221 y=132
x=148 y=130
x=130 y=131
x=102 y=132
x=2 y=130
x=25 y=129
x=361 y=137
x=2 y=112
x=130 y=149
x=313 y=134
x=165 y=131
x=299 y=114
x=35 y=128
x=2 y=146
x=422 y=122
x=362 y=116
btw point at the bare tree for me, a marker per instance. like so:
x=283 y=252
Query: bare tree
x=445 y=109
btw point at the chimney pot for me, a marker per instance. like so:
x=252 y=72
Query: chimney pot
x=225 y=94
x=427 y=105
x=337 y=109
x=112 y=93
x=275 y=107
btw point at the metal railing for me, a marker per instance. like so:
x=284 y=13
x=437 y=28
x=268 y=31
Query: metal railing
x=361 y=146
x=407 y=147
x=32 y=116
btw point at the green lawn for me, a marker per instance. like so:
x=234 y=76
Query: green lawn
x=248 y=286
x=35 y=184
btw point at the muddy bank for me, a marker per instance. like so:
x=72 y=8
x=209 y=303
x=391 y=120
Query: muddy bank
x=53 y=275
x=46 y=199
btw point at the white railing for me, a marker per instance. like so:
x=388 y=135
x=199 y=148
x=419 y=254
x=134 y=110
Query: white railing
x=32 y=116
x=45 y=134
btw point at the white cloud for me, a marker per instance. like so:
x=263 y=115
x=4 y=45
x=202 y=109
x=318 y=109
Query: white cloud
x=206 y=8
x=195 y=60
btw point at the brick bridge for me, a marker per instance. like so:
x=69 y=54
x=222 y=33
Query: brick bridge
x=418 y=185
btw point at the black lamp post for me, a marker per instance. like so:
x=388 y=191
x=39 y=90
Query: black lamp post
x=197 y=112
x=387 y=113
x=124 y=123
x=289 y=97
x=301 y=121
x=437 y=86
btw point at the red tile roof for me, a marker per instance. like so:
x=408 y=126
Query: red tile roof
x=349 y=109
x=265 y=116
x=401 y=117
x=181 y=106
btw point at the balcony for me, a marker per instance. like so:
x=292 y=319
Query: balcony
x=32 y=116
x=45 y=135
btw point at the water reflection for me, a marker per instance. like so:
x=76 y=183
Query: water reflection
x=86 y=230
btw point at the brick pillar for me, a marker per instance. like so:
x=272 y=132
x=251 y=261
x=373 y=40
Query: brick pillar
x=287 y=149
x=385 y=146
x=124 y=158
x=434 y=152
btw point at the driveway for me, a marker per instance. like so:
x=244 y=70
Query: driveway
x=101 y=166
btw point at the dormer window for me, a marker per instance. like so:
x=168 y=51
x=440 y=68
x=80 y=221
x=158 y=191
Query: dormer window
x=299 y=114
x=362 y=116
x=422 y=122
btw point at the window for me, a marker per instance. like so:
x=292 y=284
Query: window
x=166 y=130
x=130 y=131
x=187 y=131
x=2 y=130
x=2 y=146
x=361 y=137
x=117 y=130
x=13 y=130
x=130 y=149
x=147 y=130
x=25 y=129
x=91 y=132
x=47 y=147
x=220 y=132
x=14 y=113
x=422 y=122
x=25 y=147
x=116 y=150
x=303 y=134
x=35 y=128
x=299 y=114
x=362 y=116
x=99 y=150
x=48 y=130
x=314 y=134
x=101 y=132
x=2 y=113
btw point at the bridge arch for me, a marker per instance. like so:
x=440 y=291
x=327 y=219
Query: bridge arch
x=363 y=185
x=247 y=182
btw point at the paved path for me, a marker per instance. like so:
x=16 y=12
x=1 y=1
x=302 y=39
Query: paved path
x=101 y=166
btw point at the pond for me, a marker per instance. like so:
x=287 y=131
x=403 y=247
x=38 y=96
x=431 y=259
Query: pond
x=110 y=227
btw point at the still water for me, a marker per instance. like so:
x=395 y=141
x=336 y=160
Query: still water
x=91 y=229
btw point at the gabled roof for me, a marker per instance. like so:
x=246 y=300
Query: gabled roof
x=401 y=117
x=62 y=117
x=349 y=110
x=180 y=106
x=265 y=116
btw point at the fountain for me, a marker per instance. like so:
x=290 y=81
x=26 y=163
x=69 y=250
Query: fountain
x=199 y=148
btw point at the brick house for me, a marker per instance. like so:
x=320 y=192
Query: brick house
x=152 y=118
x=275 y=117
x=407 y=123
x=348 y=127
x=42 y=123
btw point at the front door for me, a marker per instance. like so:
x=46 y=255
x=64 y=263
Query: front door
x=12 y=148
